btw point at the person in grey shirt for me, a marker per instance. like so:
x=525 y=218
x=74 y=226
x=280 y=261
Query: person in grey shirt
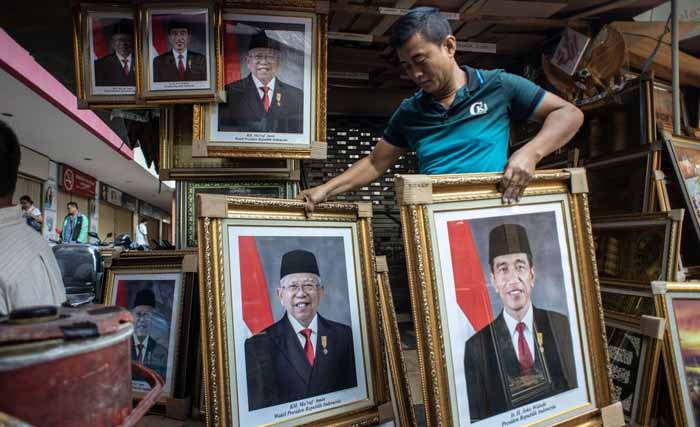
x=29 y=273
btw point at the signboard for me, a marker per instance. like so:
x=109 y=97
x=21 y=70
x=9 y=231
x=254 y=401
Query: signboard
x=476 y=47
x=75 y=182
x=128 y=202
x=111 y=195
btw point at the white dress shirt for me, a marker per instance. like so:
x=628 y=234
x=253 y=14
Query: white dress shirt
x=122 y=59
x=177 y=58
x=142 y=234
x=261 y=93
x=298 y=328
x=29 y=273
x=512 y=325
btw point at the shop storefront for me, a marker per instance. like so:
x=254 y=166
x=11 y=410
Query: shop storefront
x=77 y=187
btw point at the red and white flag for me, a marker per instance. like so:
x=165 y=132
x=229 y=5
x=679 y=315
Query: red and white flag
x=257 y=312
x=471 y=288
x=100 y=41
x=159 y=42
x=232 y=62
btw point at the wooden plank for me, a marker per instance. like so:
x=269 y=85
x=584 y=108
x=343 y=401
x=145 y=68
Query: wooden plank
x=525 y=9
x=387 y=21
x=640 y=48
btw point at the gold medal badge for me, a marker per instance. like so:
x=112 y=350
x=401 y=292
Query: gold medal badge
x=324 y=339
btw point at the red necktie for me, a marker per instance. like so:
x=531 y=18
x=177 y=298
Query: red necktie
x=308 y=347
x=126 y=67
x=265 y=98
x=524 y=355
x=180 y=67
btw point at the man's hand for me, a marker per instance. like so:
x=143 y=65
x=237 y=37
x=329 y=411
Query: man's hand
x=312 y=197
x=519 y=170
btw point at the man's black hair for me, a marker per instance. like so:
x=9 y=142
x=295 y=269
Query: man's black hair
x=427 y=21
x=26 y=198
x=10 y=156
x=75 y=205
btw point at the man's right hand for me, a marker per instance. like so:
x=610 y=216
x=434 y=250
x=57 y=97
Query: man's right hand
x=312 y=197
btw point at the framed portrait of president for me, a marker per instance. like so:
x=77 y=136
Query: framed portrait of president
x=295 y=302
x=274 y=78
x=513 y=290
x=106 y=41
x=179 y=53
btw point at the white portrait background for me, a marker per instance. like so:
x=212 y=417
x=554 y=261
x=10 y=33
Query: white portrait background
x=455 y=319
x=295 y=69
x=160 y=325
x=344 y=399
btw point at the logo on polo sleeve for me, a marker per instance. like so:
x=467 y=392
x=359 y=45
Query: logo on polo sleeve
x=478 y=108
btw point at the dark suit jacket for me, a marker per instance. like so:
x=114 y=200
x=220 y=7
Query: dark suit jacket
x=277 y=369
x=110 y=72
x=244 y=111
x=165 y=68
x=155 y=357
x=489 y=357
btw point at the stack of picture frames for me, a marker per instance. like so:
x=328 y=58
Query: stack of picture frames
x=506 y=301
x=159 y=288
x=293 y=311
x=252 y=75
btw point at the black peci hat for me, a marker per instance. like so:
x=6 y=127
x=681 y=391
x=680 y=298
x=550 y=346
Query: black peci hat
x=298 y=261
x=508 y=239
x=145 y=297
x=174 y=24
x=261 y=40
x=124 y=26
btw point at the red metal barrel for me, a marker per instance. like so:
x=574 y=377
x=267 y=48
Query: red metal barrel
x=70 y=368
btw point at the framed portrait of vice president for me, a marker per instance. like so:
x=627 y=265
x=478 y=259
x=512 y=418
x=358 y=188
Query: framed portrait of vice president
x=179 y=53
x=295 y=304
x=508 y=325
x=275 y=79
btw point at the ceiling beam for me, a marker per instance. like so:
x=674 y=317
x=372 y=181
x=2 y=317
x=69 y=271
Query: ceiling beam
x=340 y=19
x=475 y=16
x=388 y=20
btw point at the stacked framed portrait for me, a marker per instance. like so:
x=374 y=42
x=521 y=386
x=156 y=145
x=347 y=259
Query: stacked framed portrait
x=505 y=300
x=158 y=287
x=684 y=154
x=638 y=249
x=679 y=304
x=290 y=313
x=274 y=61
x=188 y=190
x=176 y=161
x=128 y=56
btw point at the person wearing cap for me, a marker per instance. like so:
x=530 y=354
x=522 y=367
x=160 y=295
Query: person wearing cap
x=261 y=102
x=526 y=353
x=145 y=349
x=180 y=63
x=117 y=68
x=303 y=354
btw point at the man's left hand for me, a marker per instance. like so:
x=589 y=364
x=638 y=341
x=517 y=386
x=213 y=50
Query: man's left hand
x=517 y=174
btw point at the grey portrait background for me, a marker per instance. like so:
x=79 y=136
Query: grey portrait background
x=330 y=256
x=549 y=292
x=162 y=316
x=290 y=36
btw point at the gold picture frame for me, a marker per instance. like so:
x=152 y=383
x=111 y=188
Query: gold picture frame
x=623 y=241
x=634 y=339
x=176 y=161
x=220 y=220
x=402 y=405
x=153 y=270
x=209 y=140
x=157 y=83
x=92 y=25
x=430 y=205
x=669 y=298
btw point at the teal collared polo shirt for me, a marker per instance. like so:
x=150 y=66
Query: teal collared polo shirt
x=471 y=135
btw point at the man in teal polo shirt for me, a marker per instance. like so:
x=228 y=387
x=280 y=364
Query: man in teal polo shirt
x=459 y=120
